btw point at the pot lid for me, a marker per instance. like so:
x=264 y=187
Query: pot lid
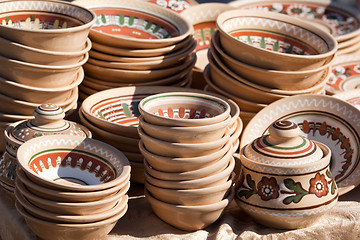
x=283 y=146
x=49 y=120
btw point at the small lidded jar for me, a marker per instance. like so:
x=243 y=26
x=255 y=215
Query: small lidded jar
x=285 y=180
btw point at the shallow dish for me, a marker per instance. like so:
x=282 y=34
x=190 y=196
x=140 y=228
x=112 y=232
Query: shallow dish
x=351 y=96
x=325 y=119
x=298 y=45
x=63 y=153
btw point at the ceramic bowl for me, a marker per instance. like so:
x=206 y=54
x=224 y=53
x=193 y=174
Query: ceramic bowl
x=37 y=75
x=76 y=21
x=196 y=134
x=191 y=197
x=171 y=149
x=137 y=172
x=98 y=165
x=78 y=209
x=58 y=231
x=214 y=167
x=171 y=164
x=208 y=181
x=278 y=42
x=196 y=109
x=8 y=166
x=284 y=80
x=163 y=28
x=67 y=196
x=17 y=51
x=189 y=218
x=37 y=94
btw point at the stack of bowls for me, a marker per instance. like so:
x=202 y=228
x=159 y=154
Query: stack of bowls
x=137 y=44
x=71 y=187
x=185 y=140
x=341 y=20
x=278 y=56
x=43 y=45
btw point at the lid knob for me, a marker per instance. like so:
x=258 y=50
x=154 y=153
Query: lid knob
x=49 y=115
x=281 y=132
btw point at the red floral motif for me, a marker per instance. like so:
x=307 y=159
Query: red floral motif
x=318 y=185
x=268 y=188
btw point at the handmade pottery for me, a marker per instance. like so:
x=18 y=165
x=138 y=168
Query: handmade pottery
x=118 y=24
x=67 y=34
x=297 y=46
x=351 y=96
x=189 y=218
x=325 y=119
x=137 y=172
x=176 y=6
x=48 y=121
x=285 y=180
x=64 y=152
x=343 y=21
x=56 y=231
x=196 y=109
x=8 y=166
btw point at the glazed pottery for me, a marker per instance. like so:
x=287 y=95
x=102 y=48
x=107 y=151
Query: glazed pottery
x=8 y=166
x=62 y=26
x=196 y=109
x=191 y=197
x=119 y=24
x=285 y=179
x=189 y=218
x=325 y=119
x=99 y=165
x=176 y=6
x=58 y=231
x=351 y=96
x=297 y=46
x=49 y=120
x=172 y=164
x=343 y=21
x=182 y=150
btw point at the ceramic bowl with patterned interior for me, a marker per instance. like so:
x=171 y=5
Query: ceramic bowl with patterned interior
x=274 y=41
x=72 y=162
x=135 y=24
x=49 y=25
x=183 y=109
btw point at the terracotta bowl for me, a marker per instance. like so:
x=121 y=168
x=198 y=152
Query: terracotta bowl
x=171 y=164
x=37 y=75
x=196 y=134
x=59 y=231
x=196 y=109
x=67 y=196
x=208 y=181
x=35 y=155
x=171 y=149
x=136 y=76
x=137 y=172
x=37 y=94
x=164 y=28
x=17 y=51
x=71 y=38
x=214 y=167
x=298 y=45
x=7 y=169
x=284 y=80
x=191 y=197
x=189 y=218
x=143 y=53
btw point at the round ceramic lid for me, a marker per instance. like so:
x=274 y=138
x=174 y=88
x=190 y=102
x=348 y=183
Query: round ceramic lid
x=283 y=146
x=49 y=120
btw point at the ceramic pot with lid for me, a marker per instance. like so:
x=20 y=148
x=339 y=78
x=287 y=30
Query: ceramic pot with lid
x=285 y=180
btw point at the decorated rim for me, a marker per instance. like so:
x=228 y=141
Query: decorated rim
x=300 y=36
x=325 y=119
x=351 y=96
x=167 y=107
x=17 y=12
x=176 y=6
x=345 y=74
x=176 y=27
x=344 y=20
x=57 y=160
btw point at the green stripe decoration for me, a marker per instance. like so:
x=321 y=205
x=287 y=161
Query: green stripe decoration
x=136 y=110
x=202 y=34
x=212 y=31
x=101 y=116
x=126 y=109
x=284 y=148
x=262 y=43
x=131 y=20
x=276 y=46
x=249 y=40
x=290 y=49
x=121 y=19
x=157 y=28
x=103 y=19
x=148 y=25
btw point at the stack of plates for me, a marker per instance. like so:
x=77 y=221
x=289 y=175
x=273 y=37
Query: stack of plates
x=340 y=20
x=42 y=50
x=137 y=44
x=266 y=69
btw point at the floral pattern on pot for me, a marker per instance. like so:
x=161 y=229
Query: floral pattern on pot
x=174 y=5
x=341 y=21
x=8 y=167
x=203 y=32
x=133 y=24
x=344 y=77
